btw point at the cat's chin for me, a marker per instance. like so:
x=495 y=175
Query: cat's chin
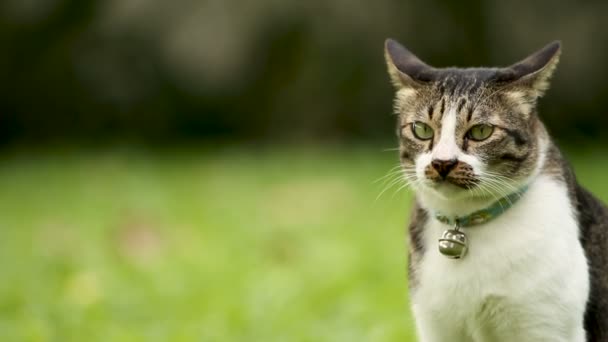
x=451 y=199
x=447 y=190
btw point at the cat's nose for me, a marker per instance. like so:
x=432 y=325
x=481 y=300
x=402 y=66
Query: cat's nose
x=443 y=167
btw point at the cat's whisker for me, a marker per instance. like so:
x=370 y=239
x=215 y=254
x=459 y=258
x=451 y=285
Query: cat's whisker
x=392 y=172
x=495 y=186
x=506 y=187
x=390 y=149
x=403 y=186
x=477 y=191
x=404 y=178
x=501 y=188
x=500 y=179
x=491 y=191
x=388 y=176
x=390 y=184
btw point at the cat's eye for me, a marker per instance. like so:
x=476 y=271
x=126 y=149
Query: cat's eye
x=480 y=132
x=422 y=131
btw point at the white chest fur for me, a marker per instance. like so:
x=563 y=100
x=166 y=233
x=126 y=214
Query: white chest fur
x=525 y=277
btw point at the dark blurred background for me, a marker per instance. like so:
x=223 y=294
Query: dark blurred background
x=161 y=72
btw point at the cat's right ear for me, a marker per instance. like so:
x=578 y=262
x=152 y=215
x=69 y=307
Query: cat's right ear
x=405 y=69
x=532 y=74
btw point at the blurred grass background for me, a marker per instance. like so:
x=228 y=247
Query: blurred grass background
x=205 y=171
x=202 y=245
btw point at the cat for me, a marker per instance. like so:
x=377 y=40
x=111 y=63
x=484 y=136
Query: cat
x=524 y=247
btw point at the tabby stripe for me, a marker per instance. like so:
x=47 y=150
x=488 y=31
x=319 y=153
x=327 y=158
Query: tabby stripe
x=514 y=158
x=470 y=115
x=517 y=136
x=461 y=104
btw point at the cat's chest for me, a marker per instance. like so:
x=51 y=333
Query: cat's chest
x=522 y=255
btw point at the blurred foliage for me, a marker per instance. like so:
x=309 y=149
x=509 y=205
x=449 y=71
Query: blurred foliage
x=256 y=70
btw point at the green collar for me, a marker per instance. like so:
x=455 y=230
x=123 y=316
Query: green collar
x=483 y=215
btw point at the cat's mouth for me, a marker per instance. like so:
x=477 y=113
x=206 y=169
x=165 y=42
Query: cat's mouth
x=465 y=183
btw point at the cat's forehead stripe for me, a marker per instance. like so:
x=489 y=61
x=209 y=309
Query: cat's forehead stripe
x=461 y=104
x=470 y=113
x=457 y=84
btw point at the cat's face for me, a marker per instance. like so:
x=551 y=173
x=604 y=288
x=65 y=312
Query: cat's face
x=468 y=132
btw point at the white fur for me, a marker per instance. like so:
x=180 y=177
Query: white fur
x=446 y=148
x=524 y=278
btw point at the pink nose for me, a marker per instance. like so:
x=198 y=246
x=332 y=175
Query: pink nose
x=443 y=167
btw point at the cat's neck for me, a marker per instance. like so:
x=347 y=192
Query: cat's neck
x=457 y=207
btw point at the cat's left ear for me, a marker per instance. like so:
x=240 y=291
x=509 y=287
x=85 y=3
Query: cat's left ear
x=405 y=69
x=532 y=74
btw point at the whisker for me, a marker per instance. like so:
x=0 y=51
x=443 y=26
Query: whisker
x=390 y=149
x=390 y=185
x=388 y=176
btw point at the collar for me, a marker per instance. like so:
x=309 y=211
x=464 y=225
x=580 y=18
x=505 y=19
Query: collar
x=483 y=215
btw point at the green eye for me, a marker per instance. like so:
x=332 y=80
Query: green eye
x=422 y=131
x=480 y=132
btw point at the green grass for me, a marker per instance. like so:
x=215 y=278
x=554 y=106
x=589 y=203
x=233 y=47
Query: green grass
x=207 y=245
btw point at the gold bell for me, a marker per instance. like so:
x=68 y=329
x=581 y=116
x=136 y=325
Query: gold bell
x=453 y=244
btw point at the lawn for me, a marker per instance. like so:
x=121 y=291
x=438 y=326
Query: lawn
x=210 y=244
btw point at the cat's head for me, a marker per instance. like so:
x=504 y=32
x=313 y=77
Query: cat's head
x=467 y=133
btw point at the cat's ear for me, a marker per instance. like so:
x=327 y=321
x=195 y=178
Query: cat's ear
x=533 y=73
x=405 y=69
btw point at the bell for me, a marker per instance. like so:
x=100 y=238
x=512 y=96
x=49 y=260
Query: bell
x=453 y=244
